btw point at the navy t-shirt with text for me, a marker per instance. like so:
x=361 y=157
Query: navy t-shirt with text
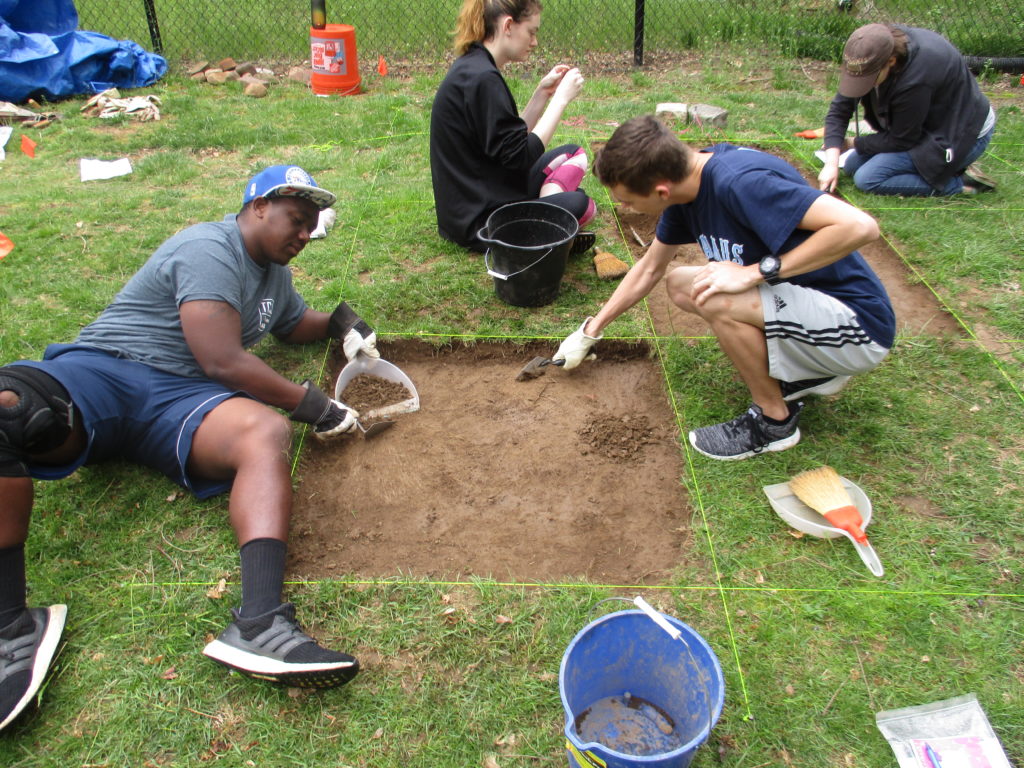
x=749 y=205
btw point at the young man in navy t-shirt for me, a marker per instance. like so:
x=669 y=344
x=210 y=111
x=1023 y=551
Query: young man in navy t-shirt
x=792 y=303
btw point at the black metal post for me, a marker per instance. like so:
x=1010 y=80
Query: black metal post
x=154 y=26
x=638 y=33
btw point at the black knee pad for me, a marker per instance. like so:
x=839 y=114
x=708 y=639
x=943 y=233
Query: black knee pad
x=40 y=421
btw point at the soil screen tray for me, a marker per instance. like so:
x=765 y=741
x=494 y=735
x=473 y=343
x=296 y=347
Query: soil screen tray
x=570 y=475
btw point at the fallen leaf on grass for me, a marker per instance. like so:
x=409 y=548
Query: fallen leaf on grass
x=217 y=592
x=503 y=619
x=170 y=674
x=491 y=762
x=797 y=534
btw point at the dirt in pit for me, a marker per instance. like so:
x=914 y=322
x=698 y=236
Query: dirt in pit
x=567 y=476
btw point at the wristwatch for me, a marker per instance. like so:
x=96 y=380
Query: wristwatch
x=769 y=267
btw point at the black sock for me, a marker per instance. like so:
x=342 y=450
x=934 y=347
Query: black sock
x=12 y=583
x=777 y=422
x=262 y=575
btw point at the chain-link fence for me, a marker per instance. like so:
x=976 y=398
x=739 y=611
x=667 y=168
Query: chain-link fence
x=419 y=30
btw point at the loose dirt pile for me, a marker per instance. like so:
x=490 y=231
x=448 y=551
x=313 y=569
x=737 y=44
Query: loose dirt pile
x=366 y=393
x=616 y=437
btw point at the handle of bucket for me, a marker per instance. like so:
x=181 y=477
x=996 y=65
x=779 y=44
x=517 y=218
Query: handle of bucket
x=500 y=276
x=675 y=634
x=656 y=617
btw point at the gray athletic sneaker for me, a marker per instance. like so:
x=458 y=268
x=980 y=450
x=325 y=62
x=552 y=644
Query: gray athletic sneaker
x=747 y=435
x=27 y=646
x=794 y=390
x=273 y=647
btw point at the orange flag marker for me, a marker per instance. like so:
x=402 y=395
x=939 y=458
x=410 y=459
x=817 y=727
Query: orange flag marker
x=28 y=146
x=6 y=246
x=382 y=66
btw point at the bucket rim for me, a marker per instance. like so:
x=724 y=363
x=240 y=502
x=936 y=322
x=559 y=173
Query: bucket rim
x=573 y=230
x=692 y=636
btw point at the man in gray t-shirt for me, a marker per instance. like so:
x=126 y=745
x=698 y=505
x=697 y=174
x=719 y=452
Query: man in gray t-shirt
x=164 y=378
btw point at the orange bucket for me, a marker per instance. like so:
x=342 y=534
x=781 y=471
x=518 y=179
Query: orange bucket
x=332 y=56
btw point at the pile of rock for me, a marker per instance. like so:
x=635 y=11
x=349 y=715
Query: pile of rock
x=704 y=115
x=255 y=80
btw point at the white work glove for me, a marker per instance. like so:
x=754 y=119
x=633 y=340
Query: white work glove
x=356 y=336
x=576 y=347
x=329 y=417
x=324 y=223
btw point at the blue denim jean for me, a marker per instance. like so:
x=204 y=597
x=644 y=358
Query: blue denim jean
x=893 y=173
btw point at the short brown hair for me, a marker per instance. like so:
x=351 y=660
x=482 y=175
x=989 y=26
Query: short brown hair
x=642 y=152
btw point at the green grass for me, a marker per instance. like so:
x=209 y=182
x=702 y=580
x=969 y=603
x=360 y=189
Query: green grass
x=811 y=646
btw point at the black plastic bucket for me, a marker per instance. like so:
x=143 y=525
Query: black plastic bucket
x=528 y=246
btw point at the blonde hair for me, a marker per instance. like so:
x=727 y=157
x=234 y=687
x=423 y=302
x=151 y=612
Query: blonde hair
x=478 y=19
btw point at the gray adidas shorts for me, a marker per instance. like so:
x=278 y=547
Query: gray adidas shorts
x=811 y=335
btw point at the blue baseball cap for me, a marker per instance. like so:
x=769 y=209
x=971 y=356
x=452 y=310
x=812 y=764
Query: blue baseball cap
x=287 y=181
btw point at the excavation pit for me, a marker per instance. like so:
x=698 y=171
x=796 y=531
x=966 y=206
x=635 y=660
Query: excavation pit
x=573 y=475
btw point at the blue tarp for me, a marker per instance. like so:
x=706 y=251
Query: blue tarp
x=42 y=53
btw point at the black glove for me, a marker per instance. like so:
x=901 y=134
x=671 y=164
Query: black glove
x=329 y=417
x=356 y=336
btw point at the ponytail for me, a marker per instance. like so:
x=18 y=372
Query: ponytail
x=478 y=19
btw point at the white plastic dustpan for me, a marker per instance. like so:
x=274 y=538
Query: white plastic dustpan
x=382 y=369
x=803 y=518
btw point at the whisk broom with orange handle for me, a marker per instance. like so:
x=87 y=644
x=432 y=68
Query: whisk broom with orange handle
x=822 y=490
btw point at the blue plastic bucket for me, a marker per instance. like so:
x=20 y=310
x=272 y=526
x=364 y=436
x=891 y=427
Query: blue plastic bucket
x=636 y=697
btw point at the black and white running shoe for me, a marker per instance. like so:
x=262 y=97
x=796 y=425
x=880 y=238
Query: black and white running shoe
x=747 y=435
x=27 y=646
x=274 y=647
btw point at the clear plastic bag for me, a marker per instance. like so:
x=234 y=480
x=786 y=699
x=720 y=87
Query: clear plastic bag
x=954 y=733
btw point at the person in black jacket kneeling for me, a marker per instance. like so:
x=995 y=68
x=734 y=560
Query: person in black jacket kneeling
x=931 y=119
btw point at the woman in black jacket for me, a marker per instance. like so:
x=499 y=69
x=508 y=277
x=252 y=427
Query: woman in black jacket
x=931 y=119
x=483 y=153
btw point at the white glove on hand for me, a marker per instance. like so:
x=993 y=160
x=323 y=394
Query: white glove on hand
x=324 y=223
x=576 y=347
x=339 y=420
x=328 y=417
x=355 y=342
x=356 y=336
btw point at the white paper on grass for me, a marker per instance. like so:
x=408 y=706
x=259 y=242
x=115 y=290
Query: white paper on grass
x=820 y=154
x=5 y=134
x=93 y=170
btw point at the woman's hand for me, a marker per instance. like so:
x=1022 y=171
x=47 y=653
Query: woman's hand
x=569 y=86
x=550 y=81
